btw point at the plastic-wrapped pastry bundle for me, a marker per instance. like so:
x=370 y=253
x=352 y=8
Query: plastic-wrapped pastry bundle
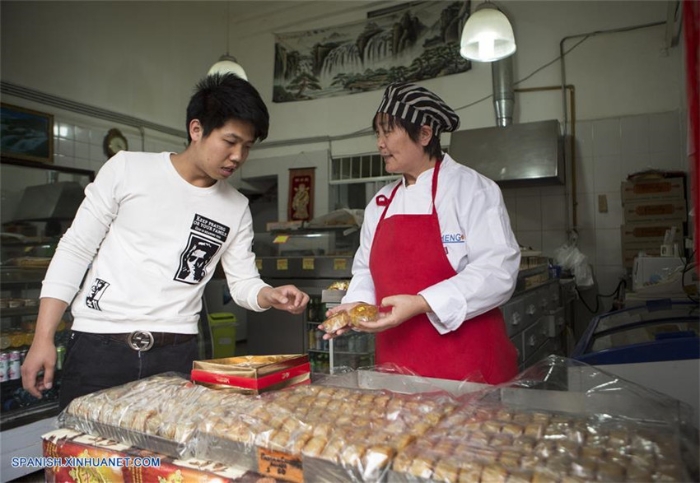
x=499 y=444
x=358 y=314
x=148 y=413
x=356 y=429
x=339 y=285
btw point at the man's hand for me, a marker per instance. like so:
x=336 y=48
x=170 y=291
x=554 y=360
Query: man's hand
x=41 y=355
x=286 y=297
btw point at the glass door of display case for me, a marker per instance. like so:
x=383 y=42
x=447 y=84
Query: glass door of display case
x=39 y=202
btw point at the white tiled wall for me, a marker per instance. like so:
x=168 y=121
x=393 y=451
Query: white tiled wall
x=78 y=143
x=607 y=151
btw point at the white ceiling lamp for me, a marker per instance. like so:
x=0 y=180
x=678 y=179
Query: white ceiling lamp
x=487 y=35
x=227 y=63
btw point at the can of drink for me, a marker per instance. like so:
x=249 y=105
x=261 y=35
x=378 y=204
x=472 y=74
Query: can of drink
x=4 y=366
x=23 y=355
x=60 y=356
x=15 y=364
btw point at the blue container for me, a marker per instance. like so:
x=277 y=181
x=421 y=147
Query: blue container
x=660 y=330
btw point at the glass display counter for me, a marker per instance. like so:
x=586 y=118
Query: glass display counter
x=311 y=259
x=38 y=204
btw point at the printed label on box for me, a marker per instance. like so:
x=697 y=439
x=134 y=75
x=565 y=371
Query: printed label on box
x=280 y=465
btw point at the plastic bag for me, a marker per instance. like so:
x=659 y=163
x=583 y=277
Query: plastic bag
x=569 y=257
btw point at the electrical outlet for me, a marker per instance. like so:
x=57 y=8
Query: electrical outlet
x=602 y=203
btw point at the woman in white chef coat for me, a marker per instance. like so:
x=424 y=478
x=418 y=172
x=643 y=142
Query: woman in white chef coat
x=437 y=252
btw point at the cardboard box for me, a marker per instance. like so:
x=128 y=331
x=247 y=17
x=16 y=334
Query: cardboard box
x=653 y=189
x=253 y=374
x=649 y=232
x=284 y=225
x=655 y=210
x=72 y=456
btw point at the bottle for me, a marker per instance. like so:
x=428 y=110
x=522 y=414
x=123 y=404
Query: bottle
x=13 y=370
x=4 y=366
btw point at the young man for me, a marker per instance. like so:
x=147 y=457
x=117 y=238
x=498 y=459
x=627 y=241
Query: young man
x=151 y=230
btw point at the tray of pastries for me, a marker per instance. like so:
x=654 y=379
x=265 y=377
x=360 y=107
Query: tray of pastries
x=498 y=444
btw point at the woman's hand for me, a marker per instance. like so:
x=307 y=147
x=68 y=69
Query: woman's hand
x=394 y=311
x=286 y=297
x=334 y=310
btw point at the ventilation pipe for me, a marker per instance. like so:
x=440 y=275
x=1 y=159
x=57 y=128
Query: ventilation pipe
x=503 y=95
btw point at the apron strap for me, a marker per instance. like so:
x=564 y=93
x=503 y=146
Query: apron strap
x=385 y=202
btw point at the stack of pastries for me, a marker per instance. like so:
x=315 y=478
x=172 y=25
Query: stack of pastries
x=166 y=406
x=423 y=435
x=359 y=430
x=503 y=445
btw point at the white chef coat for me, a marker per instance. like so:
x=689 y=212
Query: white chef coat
x=476 y=235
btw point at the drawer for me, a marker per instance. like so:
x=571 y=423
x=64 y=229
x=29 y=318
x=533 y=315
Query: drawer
x=517 y=341
x=544 y=299
x=513 y=314
x=531 y=309
x=548 y=348
x=554 y=296
x=535 y=335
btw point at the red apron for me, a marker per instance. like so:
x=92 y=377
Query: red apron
x=407 y=256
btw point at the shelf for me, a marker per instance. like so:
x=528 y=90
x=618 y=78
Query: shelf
x=18 y=311
x=23 y=416
x=340 y=353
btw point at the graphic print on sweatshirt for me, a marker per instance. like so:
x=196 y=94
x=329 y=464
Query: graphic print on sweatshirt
x=204 y=241
x=96 y=291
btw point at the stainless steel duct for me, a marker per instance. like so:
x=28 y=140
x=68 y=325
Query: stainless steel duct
x=503 y=95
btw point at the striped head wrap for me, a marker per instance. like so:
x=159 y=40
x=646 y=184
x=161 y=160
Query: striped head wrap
x=417 y=105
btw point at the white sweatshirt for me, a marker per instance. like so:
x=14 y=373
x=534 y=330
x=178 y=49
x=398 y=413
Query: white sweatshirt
x=476 y=235
x=154 y=241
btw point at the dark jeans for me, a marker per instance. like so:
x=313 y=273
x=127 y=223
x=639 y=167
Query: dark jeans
x=94 y=362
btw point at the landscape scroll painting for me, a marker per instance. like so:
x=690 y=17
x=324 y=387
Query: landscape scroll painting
x=415 y=42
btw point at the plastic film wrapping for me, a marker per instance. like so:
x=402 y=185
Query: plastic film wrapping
x=159 y=413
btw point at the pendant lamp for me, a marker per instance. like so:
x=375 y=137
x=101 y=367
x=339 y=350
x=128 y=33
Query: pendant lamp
x=227 y=64
x=487 y=35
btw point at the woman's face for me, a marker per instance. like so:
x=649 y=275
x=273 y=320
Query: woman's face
x=401 y=154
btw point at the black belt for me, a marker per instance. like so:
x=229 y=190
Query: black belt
x=143 y=340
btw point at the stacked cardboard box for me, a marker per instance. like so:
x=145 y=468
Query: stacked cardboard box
x=651 y=206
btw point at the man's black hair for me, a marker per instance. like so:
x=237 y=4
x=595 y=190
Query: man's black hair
x=433 y=148
x=220 y=98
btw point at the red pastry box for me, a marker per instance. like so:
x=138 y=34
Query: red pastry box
x=73 y=457
x=253 y=374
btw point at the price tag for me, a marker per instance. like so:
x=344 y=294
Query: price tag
x=307 y=263
x=258 y=263
x=279 y=465
x=280 y=239
x=282 y=264
x=340 y=264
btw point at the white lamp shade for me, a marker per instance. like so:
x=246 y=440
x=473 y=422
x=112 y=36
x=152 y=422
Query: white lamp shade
x=227 y=65
x=487 y=36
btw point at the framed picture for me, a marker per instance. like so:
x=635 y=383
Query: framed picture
x=300 y=206
x=26 y=134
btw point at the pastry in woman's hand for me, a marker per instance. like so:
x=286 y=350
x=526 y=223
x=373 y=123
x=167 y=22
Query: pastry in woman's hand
x=363 y=313
x=357 y=315
x=336 y=322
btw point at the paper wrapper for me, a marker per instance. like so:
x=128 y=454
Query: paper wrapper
x=253 y=374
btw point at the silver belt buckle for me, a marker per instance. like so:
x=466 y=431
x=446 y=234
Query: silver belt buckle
x=141 y=340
